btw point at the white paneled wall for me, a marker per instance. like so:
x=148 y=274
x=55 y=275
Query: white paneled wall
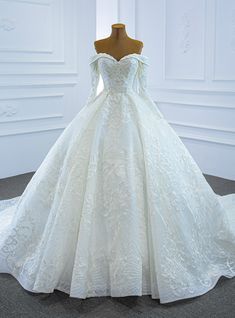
x=191 y=50
x=44 y=75
x=44 y=72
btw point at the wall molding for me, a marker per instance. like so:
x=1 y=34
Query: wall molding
x=49 y=4
x=216 y=78
x=190 y=90
x=36 y=2
x=65 y=69
x=15 y=50
x=209 y=140
x=40 y=117
x=40 y=85
x=206 y=127
x=52 y=116
x=32 y=131
x=53 y=55
x=30 y=62
x=172 y=78
x=33 y=96
x=194 y=104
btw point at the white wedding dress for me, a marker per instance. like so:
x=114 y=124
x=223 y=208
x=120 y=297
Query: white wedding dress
x=119 y=207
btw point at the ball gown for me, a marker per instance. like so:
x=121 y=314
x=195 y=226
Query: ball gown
x=118 y=207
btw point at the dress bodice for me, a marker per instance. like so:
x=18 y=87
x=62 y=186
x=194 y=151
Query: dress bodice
x=118 y=76
x=127 y=74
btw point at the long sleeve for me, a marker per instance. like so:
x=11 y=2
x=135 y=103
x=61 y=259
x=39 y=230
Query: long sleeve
x=142 y=89
x=139 y=81
x=94 y=74
x=142 y=78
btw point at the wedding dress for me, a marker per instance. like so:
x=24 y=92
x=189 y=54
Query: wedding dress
x=119 y=207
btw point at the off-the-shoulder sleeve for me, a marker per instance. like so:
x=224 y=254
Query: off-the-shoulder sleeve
x=94 y=75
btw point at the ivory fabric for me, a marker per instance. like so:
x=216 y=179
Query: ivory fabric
x=118 y=207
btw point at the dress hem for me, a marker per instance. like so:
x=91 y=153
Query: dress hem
x=25 y=286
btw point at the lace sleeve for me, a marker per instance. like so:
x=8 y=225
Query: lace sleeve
x=142 y=87
x=94 y=74
x=142 y=78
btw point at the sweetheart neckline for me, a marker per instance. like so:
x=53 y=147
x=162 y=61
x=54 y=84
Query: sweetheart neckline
x=123 y=58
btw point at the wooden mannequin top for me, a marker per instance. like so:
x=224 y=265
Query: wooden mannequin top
x=118 y=44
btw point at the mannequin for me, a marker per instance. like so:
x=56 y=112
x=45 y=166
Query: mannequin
x=118 y=44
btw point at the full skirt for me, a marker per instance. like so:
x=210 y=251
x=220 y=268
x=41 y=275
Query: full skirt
x=118 y=207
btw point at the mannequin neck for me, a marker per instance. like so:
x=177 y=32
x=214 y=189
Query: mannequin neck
x=118 y=31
